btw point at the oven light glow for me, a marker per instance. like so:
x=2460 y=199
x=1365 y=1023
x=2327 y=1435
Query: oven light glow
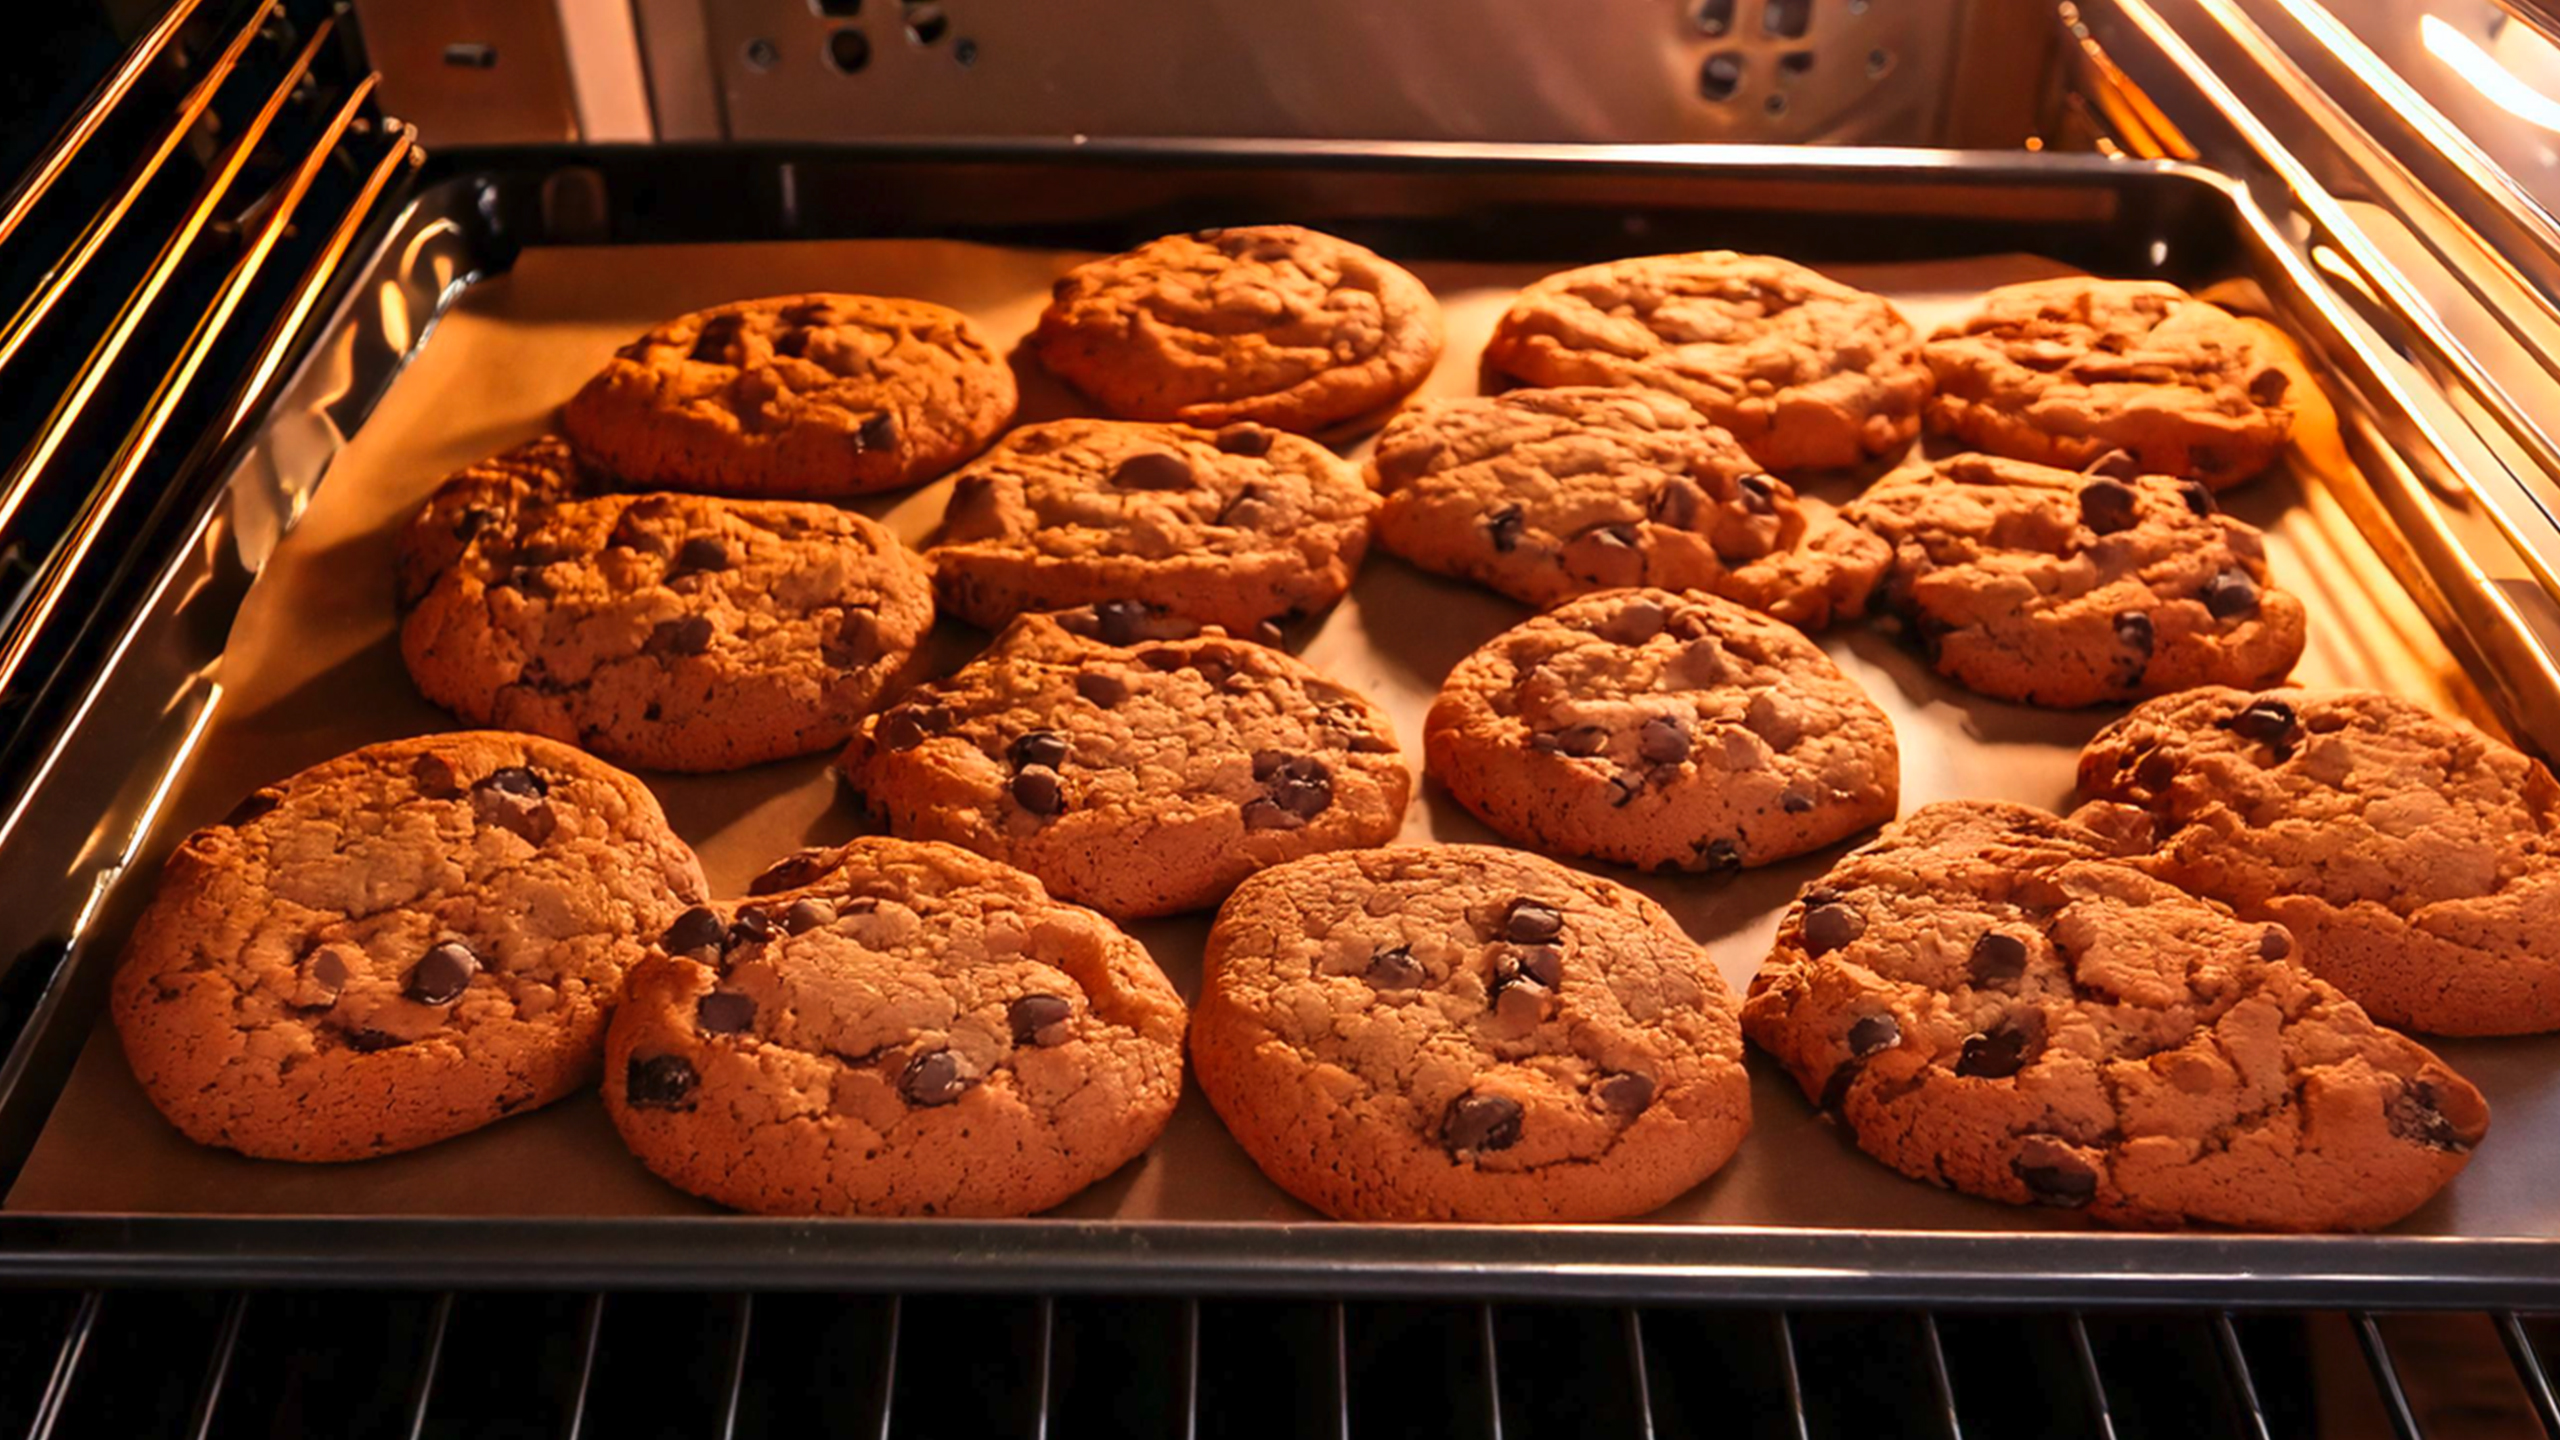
x=2493 y=80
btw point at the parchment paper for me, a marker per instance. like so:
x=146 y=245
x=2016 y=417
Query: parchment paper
x=313 y=670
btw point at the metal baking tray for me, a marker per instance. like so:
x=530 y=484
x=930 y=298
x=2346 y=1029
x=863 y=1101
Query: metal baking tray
x=267 y=646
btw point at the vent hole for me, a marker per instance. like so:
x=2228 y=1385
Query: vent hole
x=965 y=51
x=1787 y=19
x=1879 y=60
x=839 y=9
x=1795 y=63
x=848 y=51
x=1720 y=76
x=762 y=55
x=1713 y=17
x=1776 y=104
x=926 y=24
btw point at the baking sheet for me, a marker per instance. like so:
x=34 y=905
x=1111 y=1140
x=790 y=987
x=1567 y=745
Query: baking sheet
x=313 y=669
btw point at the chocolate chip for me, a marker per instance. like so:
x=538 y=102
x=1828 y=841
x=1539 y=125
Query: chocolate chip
x=2115 y=465
x=441 y=975
x=1246 y=511
x=2134 y=632
x=1676 y=504
x=1625 y=1093
x=877 y=432
x=2412 y=1115
x=1039 y=791
x=256 y=804
x=696 y=929
x=2231 y=595
x=807 y=915
x=1636 y=622
x=1480 y=1122
x=901 y=731
x=2269 y=722
x=511 y=799
x=435 y=777
x=1038 y=747
x=1300 y=787
x=1829 y=926
x=1759 y=495
x=1530 y=922
x=1106 y=691
x=700 y=552
x=716 y=340
x=514 y=780
x=1663 y=741
x=935 y=1077
x=659 y=1082
x=2107 y=505
x=630 y=534
x=856 y=642
x=792 y=871
x=1152 y=470
x=1995 y=1054
x=2199 y=497
x=1395 y=969
x=2275 y=943
x=2268 y=386
x=1542 y=963
x=327 y=971
x=1580 y=740
x=725 y=1012
x=1119 y=622
x=1623 y=789
x=1720 y=857
x=1614 y=537
x=2056 y=1176
x=1039 y=1019
x=1505 y=526
x=1794 y=803
x=1997 y=959
x=1872 y=1034
x=752 y=927
x=365 y=1040
x=1244 y=440
x=688 y=636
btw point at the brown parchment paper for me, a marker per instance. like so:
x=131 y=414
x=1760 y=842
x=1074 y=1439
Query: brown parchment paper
x=313 y=669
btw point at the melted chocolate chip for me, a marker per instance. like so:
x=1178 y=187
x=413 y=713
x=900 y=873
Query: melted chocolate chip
x=1153 y=470
x=1039 y=747
x=935 y=1077
x=1997 y=959
x=366 y=1040
x=807 y=915
x=2108 y=505
x=2412 y=1115
x=1530 y=922
x=659 y=1082
x=725 y=1012
x=2274 y=943
x=877 y=432
x=2115 y=465
x=1636 y=622
x=2062 y=1179
x=1542 y=963
x=1625 y=1093
x=435 y=777
x=700 y=552
x=901 y=731
x=2134 y=632
x=1720 y=857
x=1795 y=802
x=1119 y=622
x=1614 y=537
x=1759 y=495
x=2268 y=722
x=1480 y=1122
x=1873 y=1034
x=856 y=642
x=1676 y=504
x=1830 y=925
x=1663 y=741
x=2199 y=497
x=511 y=799
x=1244 y=440
x=514 y=780
x=1039 y=1019
x=441 y=975
x=327 y=971
x=696 y=929
x=1505 y=525
x=2268 y=386
x=688 y=636
x=1039 y=791
x=2231 y=595
x=1395 y=969
x=1298 y=787
x=1995 y=1054
x=717 y=340
x=792 y=871
x=1579 y=740
x=752 y=927
x=1106 y=691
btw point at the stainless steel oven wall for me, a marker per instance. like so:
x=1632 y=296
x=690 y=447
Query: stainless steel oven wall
x=1905 y=72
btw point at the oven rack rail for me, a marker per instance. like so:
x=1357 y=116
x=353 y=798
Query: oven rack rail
x=200 y=1363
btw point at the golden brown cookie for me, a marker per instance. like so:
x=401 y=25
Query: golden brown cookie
x=2063 y=371
x=1462 y=1032
x=1806 y=372
x=1548 y=494
x=1990 y=1000
x=817 y=396
x=1245 y=528
x=396 y=946
x=890 y=1028
x=2415 y=859
x=1270 y=323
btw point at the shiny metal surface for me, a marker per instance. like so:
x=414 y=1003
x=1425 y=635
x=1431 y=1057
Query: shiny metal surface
x=473 y=72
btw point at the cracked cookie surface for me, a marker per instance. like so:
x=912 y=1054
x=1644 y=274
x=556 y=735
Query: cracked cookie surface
x=1663 y=730
x=2415 y=859
x=675 y=632
x=2040 y=585
x=1807 y=373
x=396 y=946
x=2063 y=371
x=1134 y=763
x=796 y=395
x=1989 y=999
x=1463 y=1032
x=893 y=1028
x=1548 y=494
x=1271 y=323
x=1245 y=527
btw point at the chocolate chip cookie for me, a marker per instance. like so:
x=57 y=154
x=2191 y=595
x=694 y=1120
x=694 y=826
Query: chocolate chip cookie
x=676 y=632
x=1806 y=372
x=1463 y=1032
x=891 y=1028
x=1268 y=323
x=1674 y=731
x=2029 y=583
x=2063 y=371
x=2415 y=860
x=1245 y=528
x=1547 y=494
x=1134 y=763
x=396 y=946
x=815 y=396
x=1990 y=1000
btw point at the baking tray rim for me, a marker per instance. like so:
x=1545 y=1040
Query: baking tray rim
x=1584 y=1262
